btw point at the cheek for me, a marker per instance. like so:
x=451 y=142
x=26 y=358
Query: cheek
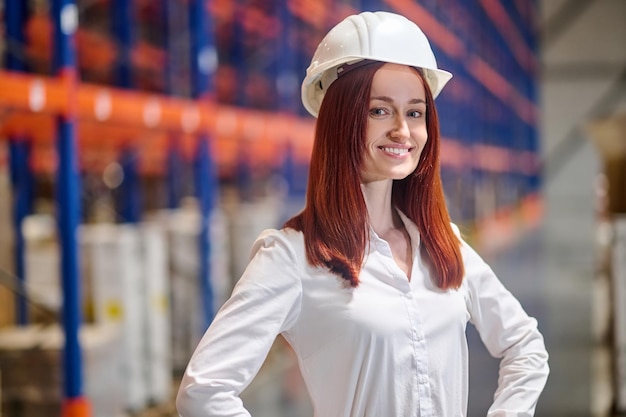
x=421 y=140
x=421 y=136
x=374 y=132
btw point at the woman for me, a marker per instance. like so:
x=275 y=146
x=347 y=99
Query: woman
x=370 y=284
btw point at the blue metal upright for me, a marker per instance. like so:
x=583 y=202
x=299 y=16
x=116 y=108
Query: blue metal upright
x=129 y=209
x=173 y=174
x=65 y=22
x=14 y=22
x=287 y=77
x=205 y=190
x=243 y=172
x=288 y=89
x=243 y=175
x=287 y=86
x=166 y=9
x=121 y=12
x=203 y=67
x=238 y=55
x=19 y=151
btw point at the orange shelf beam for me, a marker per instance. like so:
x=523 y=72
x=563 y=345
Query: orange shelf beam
x=109 y=118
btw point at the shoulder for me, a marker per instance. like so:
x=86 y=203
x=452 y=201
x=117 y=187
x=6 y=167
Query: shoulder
x=456 y=229
x=471 y=258
x=478 y=273
x=288 y=241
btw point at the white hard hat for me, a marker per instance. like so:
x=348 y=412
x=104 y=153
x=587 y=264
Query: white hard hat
x=375 y=36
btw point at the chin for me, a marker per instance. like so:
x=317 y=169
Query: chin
x=401 y=175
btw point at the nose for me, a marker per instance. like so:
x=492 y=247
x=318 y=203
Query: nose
x=400 y=129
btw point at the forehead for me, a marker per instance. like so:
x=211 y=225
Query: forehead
x=397 y=79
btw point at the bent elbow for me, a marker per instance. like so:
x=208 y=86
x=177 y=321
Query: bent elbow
x=214 y=399
x=185 y=403
x=193 y=399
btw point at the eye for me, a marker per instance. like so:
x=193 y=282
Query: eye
x=415 y=114
x=378 y=111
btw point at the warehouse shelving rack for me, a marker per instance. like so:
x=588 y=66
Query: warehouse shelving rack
x=58 y=124
x=47 y=119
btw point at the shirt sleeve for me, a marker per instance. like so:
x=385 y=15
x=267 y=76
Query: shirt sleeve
x=265 y=302
x=508 y=334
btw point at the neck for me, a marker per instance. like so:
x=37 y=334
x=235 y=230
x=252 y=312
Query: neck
x=381 y=213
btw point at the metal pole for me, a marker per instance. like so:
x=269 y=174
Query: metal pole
x=65 y=23
x=19 y=152
x=203 y=66
x=243 y=174
x=238 y=54
x=174 y=172
x=122 y=11
x=288 y=89
x=205 y=189
x=287 y=86
x=130 y=189
x=166 y=9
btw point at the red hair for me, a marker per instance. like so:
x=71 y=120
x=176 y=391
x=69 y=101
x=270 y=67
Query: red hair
x=335 y=219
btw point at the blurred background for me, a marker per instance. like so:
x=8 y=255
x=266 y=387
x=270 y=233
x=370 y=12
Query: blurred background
x=145 y=144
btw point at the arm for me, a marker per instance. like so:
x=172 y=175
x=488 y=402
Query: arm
x=509 y=334
x=265 y=302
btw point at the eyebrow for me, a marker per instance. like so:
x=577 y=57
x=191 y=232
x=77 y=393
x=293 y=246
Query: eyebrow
x=390 y=100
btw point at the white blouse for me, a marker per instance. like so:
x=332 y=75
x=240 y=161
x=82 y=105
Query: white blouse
x=390 y=347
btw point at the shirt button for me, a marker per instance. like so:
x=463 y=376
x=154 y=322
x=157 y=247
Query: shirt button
x=422 y=379
x=408 y=296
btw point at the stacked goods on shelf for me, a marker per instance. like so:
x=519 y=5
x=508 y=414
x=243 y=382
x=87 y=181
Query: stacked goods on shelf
x=157 y=328
x=30 y=359
x=125 y=282
x=619 y=301
x=182 y=227
x=127 y=265
x=42 y=264
x=112 y=259
x=6 y=244
x=182 y=238
x=249 y=219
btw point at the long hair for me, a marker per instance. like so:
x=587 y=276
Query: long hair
x=335 y=219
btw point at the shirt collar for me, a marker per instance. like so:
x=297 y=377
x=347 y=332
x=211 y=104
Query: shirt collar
x=411 y=228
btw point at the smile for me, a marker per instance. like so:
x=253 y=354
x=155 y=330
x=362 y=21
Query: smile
x=395 y=151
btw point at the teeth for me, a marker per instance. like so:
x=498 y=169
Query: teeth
x=397 y=151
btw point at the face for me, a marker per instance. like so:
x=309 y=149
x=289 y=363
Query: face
x=396 y=124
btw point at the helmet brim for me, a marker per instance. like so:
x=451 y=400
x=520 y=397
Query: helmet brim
x=313 y=89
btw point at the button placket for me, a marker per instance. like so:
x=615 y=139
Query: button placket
x=420 y=352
